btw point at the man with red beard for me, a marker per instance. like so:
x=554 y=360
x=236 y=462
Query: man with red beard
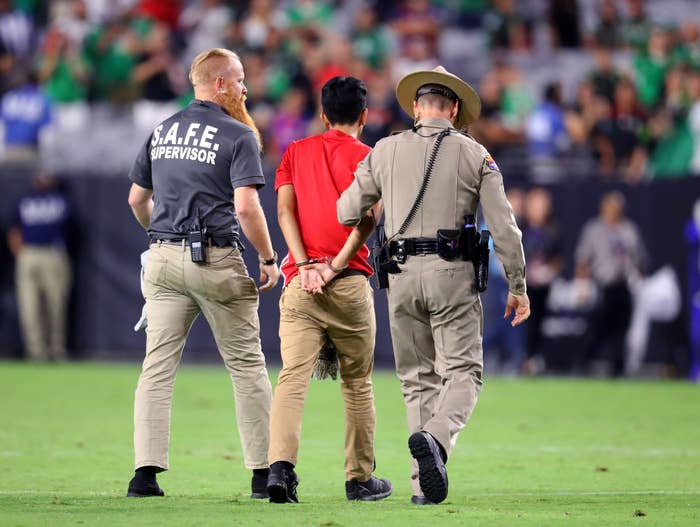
x=194 y=181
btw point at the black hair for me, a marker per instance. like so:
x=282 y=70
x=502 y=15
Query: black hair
x=343 y=99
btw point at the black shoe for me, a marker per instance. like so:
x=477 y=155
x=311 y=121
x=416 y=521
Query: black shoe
x=371 y=490
x=258 y=484
x=144 y=486
x=432 y=474
x=421 y=500
x=282 y=483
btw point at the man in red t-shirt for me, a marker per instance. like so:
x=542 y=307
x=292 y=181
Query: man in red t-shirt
x=327 y=295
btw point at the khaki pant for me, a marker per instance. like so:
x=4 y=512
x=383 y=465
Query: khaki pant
x=345 y=313
x=436 y=328
x=43 y=273
x=176 y=291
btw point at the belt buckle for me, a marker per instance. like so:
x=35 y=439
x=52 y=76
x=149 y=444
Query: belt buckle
x=401 y=251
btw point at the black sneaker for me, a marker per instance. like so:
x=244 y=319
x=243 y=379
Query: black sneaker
x=421 y=500
x=258 y=484
x=371 y=490
x=144 y=486
x=432 y=474
x=282 y=483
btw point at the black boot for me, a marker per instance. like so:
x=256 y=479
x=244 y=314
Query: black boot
x=258 y=485
x=282 y=483
x=432 y=474
x=144 y=484
x=371 y=490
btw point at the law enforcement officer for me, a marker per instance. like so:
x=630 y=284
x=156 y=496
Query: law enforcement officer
x=194 y=181
x=38 y=238
x=434 y=308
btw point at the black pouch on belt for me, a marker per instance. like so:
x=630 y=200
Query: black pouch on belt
x=448 y=244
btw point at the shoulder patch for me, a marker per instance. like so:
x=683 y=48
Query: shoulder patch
x=491 y=163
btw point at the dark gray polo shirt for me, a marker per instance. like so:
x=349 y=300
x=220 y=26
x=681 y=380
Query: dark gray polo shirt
x=193 y=161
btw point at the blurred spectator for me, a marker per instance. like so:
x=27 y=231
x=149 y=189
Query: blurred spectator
x=62 y=70
x=687 y=51
x=16 y=31
x=38 y=238
x=308 y=13
x=516 y=102
x=608 y=32
x=415 y=56
x=651 y=66
x=158 y=73
x=206 y=23
x=636 y=28
x=618 y=135
x=564 y=23
x=547 y=135
x=111 y=51
x=159 y=77
x=417 y=20
x=694 y=118
x=544 y=263
x=604 y=77
x=289 y=123
x=669 y=129
x=24 y=112
x=259 y=22
x=69 y=17
x=164 y=11
x=506 y=27
x=8 y=63
x=370 y=41
x=584 y=112
x=611 y=252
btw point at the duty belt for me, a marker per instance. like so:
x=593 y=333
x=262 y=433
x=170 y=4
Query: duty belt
x=412 y=247
x=216 y=241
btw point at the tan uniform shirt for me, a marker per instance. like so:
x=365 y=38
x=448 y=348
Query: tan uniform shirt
x=464 y=175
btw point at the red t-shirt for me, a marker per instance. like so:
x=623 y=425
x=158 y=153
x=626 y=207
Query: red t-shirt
x=321 y=168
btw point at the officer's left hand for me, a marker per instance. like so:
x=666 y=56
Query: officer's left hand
x=521 y=305
x=269 y=274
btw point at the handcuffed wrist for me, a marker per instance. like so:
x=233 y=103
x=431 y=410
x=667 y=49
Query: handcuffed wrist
x=337 y=270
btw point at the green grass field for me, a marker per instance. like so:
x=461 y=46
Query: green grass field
x=538 y=452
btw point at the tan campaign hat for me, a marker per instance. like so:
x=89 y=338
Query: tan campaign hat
x=469 y=102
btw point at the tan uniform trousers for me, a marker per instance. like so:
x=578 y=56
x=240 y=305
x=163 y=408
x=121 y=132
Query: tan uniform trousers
x=43 y=273
x=176 y=291
x=436 y=328
x=345 y=312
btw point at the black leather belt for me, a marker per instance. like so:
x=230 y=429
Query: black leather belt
x=350 y=272
x=216 y=241
x=413 y=246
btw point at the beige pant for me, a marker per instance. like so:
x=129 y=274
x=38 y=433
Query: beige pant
x=176 y=291
x=345 y=313
x=436 y=328
x=43 y=273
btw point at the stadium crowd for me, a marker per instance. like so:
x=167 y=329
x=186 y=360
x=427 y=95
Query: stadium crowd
x=627 y=108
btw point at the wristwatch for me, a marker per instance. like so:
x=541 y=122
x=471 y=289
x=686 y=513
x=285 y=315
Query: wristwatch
x=269 y=261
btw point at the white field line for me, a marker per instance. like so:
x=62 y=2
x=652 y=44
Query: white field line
x=690 y=492
x=598 y=449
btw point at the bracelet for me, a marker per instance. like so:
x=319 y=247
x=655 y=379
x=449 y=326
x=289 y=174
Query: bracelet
x=337 y=270
x=268 y=261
